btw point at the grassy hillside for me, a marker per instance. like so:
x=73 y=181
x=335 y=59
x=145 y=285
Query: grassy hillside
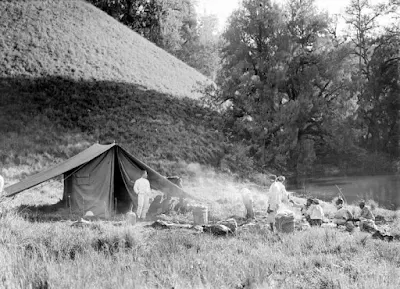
x=51 y=116
x=70 y=75
x=76 y=40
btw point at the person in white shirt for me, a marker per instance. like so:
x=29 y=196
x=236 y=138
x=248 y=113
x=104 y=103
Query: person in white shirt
x=142 y=189
x=277 y=195
x=316 y=213
x=1 y=184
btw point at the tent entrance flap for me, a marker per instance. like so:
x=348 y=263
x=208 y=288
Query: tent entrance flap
x=122 y=196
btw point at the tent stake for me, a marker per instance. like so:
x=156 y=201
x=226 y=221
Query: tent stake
x=115 y=206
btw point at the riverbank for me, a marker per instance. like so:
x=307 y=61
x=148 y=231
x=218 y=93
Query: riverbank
x=56 y=255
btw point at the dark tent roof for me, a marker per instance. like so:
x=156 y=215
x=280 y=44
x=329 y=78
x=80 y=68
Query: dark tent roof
x=80 y=160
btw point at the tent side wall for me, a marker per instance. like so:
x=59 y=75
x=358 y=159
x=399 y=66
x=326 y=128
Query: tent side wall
x=91 y=187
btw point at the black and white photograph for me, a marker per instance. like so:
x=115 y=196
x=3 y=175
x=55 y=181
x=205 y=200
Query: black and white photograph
x=233 y=144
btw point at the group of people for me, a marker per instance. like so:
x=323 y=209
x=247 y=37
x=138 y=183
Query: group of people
x=313 y=211
x=146 y=206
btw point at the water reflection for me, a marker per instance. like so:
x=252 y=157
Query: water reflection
x=383 y=189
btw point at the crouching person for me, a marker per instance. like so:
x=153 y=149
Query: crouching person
x=343 y=217
x=316 y=213
x=367 y=219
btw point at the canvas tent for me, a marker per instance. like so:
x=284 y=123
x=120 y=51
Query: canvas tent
x=100 y=179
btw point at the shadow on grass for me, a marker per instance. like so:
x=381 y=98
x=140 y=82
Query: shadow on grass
x=151 y=125
x=48 y=213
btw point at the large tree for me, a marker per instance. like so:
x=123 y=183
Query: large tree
x=281 y=70
x=376 y=79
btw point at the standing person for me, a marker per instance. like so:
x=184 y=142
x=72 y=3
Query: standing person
x=316 y=213
x=142 y=189
x=277 y=195
x=367 y=219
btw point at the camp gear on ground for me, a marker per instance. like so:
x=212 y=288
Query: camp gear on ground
x=316 y=222
x=230 y=223
x=200 y=215
x=94 y=178
x=161 y=224
x=284 y=222
x=217 y=229
x=81 y=223
x=131 y=218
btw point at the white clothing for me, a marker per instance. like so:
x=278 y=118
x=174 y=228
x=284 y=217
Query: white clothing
x=143 y=205
x=277 y=194
x=142 y=186
x=315 y=212
x=1 y=184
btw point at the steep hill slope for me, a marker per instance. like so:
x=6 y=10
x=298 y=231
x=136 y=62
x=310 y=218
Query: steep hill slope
x=71 y=75
x=74 y=39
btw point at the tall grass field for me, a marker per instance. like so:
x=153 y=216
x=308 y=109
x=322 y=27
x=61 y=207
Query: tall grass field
x=107 y=254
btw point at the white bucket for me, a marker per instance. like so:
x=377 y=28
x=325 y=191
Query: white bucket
x=200 y=215
x=130 y=218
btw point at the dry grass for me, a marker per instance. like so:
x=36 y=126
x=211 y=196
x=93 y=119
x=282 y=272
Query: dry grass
x=54 y=254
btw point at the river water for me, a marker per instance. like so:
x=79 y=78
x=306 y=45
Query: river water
x=384 y=189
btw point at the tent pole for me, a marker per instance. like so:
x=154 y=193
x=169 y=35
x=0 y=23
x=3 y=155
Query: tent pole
x=69 y=203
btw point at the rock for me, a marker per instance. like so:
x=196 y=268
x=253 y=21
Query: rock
x=230 y=223
x=217 y=230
